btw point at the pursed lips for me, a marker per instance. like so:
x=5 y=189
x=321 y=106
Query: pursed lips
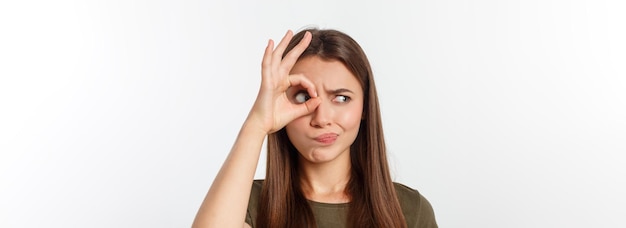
x=326 y=138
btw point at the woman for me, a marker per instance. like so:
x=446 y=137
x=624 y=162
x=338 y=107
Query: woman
x=326 y=163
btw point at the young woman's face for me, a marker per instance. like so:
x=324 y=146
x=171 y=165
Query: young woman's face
x=327 y=133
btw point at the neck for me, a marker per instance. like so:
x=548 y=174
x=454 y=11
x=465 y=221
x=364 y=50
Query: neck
x=325 y=182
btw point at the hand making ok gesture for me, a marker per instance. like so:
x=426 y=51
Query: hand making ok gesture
x=273 y=109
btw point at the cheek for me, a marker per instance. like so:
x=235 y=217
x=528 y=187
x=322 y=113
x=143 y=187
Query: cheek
x=352 y=117
x=297 y=125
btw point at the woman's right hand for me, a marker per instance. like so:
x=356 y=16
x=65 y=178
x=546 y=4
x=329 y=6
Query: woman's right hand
x=273 y=109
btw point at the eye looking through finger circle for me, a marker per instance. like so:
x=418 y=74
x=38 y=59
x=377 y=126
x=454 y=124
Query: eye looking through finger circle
x=301 y=97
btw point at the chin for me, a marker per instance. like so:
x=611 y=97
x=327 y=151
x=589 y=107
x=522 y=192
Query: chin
x=322 y=156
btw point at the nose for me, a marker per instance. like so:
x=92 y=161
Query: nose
x=322 y=116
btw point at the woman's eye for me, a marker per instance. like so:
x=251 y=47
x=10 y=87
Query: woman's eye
x=302 y=97
x=341 y=99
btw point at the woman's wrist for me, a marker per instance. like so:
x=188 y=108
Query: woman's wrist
x=254 y=127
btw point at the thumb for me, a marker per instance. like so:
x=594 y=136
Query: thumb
x=308 y=106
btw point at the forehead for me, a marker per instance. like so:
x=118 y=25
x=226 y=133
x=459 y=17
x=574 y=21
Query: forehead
x=327 y=73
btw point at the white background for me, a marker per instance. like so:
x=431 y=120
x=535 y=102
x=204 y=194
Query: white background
x=502 y=113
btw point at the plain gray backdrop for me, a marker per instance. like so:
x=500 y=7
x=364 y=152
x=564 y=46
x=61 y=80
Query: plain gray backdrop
x=502 y=113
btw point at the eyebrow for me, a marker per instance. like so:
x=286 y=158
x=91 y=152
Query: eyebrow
x=337 y=91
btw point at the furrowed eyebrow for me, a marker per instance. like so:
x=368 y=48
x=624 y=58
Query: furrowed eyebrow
x=337 y=91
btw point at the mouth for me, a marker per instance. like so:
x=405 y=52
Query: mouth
x=327 y=138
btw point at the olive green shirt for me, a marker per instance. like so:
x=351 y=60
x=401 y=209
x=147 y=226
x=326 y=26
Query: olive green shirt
x=417 y=211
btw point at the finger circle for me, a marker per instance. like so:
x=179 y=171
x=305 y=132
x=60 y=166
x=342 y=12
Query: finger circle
x=299 y=79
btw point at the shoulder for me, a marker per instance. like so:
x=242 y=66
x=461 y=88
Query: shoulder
x=416 y=209
x=253 y=202
x=255 y=193
x=257 y=185
x=406 y=193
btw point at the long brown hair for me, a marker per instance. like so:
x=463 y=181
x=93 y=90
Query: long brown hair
x=373 y=197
